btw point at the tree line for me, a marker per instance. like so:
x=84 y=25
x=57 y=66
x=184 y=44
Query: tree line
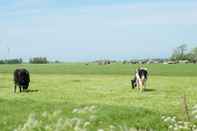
x=180 y=53
x=12 y=61
x=35 y=60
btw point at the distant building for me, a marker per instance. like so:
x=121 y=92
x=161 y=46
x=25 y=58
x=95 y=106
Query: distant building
x=184 y=62
x=170 y=62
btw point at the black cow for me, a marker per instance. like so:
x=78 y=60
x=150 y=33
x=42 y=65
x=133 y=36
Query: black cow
x=140 y=78
x=21 y=79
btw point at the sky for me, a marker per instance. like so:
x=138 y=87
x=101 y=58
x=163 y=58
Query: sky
x=86 y=30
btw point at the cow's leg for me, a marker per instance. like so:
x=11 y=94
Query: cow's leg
x=142 y=88
x=139 y=81
x=138 y=85
x=145 y=84
x=142 y=85
x=20 y=88
x=15 y=88
x=133 y=84
x=25 y=88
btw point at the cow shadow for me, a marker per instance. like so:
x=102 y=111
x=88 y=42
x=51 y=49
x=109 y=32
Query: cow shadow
x=149 y=90
x=31 y=91
x=146 y=89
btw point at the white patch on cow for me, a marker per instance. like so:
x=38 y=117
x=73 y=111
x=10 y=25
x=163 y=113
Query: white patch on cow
x=141 y=82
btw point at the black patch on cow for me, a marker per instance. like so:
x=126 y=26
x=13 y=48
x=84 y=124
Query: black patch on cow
x=143 y=72
x=133 y=83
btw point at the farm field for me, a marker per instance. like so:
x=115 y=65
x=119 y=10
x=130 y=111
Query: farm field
x=71 y=86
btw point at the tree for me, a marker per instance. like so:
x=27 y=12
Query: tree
x=179 y=53
x=194 y=54
x=39 y=60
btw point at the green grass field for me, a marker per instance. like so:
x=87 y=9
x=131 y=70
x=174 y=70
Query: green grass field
x=69 y=86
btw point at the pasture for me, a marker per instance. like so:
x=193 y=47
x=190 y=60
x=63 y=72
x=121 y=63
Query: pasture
x=73 y=85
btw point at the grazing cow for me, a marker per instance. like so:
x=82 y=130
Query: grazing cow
x=140 y=78
x=21 y=79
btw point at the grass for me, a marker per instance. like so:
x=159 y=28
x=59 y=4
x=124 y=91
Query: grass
x=113 y=69
x=69 y=86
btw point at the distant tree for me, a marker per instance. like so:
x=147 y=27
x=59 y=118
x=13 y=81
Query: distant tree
x=2 y=62
x=179 y=53
x=189 y=57
x=39 y=60
x=125 y=62
x=57 y=61
x=194 y=55
x=11 y=61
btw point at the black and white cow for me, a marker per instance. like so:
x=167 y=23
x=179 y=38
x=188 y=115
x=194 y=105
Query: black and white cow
x=21 y=79
x=140 y=78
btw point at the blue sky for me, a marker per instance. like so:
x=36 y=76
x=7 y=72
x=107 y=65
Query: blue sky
x=81 y=30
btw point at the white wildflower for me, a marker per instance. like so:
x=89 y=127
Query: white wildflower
x=133 y=129
x=100 y=130
x=86 y=109
x=180 y=122
x=111 y=126
x=167 y=119
x=87 y=123
x=75 y=110
x=163 y=117
x=92 y=118
x=186 y=123
x=76 y=121
x=92 y=108
x=68 y=123
x=176 y=128
x=56 y=113
x=77 y=128
x=173 y=120
x=186 y=127
x=194 y=112
x=31 y=122
x=44 y=114
x=195 y=107
x=47 y=127
x=59 y=124
x=180 y=127
x=170 y=127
